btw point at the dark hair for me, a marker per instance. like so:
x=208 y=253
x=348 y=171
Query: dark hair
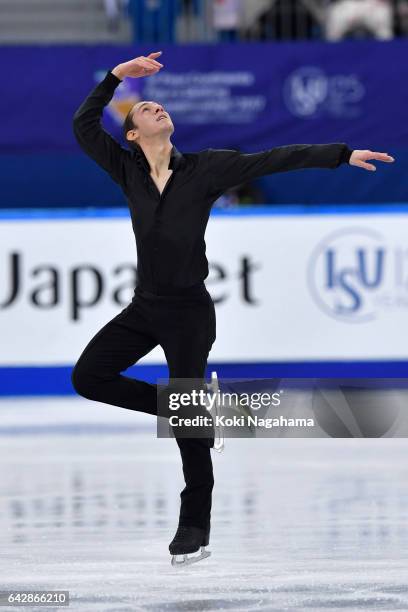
x=129 y=125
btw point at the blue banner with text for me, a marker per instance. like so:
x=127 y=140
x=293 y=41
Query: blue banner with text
x=250 y=96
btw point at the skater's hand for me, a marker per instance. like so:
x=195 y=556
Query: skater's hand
x=359 y=158
x=139 y=67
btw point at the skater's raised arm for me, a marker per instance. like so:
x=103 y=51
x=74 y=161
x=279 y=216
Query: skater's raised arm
x=93 y=139
x=228 y=168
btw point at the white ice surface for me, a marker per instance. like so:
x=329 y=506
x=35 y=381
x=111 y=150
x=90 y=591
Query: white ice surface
x=298 y=524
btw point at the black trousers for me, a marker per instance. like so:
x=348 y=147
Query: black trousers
x=185 y=327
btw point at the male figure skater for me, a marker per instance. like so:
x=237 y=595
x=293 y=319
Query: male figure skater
x=170 y=195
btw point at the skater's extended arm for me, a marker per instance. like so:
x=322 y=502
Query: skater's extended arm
x=91 y=136
x=228 y=168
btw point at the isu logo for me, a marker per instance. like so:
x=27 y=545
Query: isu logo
x=347 y=274
x=311 y=93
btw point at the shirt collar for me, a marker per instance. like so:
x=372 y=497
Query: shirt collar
x=176 y=159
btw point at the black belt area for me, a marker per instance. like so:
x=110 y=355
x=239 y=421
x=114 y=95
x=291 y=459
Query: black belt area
x=198 y=289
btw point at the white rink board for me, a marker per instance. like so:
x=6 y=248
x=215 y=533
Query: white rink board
x=288 y=287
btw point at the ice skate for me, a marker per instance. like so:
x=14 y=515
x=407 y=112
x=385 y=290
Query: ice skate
x=186 y=542
x=213 y=387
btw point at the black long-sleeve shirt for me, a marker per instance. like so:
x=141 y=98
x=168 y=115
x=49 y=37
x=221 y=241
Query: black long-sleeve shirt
x=169 y=228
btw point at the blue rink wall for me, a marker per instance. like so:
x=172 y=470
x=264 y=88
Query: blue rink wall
x=29 y=381
x=53 y=379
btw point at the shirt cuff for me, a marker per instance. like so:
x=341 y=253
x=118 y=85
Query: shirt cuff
x=112 y=79
x=345 y=155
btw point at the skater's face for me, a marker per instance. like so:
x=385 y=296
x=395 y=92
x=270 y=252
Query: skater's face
x=149 y=119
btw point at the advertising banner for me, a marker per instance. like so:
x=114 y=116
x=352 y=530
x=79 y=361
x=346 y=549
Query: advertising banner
x=287 y=287
x=250 y=96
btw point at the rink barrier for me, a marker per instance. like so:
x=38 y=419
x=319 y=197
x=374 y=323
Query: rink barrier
x=56 y=380
x=238 y=211
x=29 y=381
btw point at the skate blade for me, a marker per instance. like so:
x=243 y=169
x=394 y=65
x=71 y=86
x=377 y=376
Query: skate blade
x=218 y=445
x=186 y=560
x=219 y=442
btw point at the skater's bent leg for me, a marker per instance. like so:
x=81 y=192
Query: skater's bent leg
x=117 y=346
